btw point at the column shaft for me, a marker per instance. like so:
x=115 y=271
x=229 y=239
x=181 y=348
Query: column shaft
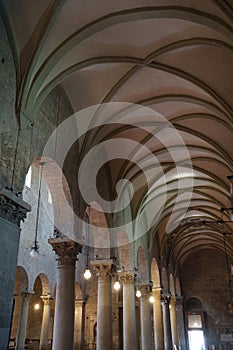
x=22 y=327
x=45 y=323
x=145 y=317
x=180 y=322
x=129 y=315
x=158 y=320
x=166 y=324
x=63 y=331
x=78 y=324
x=175 y=339
x=104 y=303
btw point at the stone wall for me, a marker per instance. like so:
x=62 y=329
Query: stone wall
x=210 y=285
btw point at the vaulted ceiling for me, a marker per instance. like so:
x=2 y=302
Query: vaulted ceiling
x=173 y=56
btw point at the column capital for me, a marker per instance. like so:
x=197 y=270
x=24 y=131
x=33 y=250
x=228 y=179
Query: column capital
x=66 y=250
x=103 y=268
x=25 y=295
x=145 y=290
x=127 y=277
x=156 y=291
x=173 y=300
x=79 y=302
x=165 y=299
x=12 y=207
x=46 y=299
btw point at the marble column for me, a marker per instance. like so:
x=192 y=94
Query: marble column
x=180 y=322
x=166 y=322
x=104 y=269
x=145 y=317
x=78 y=322
x=175 y=339
x=45 y=322
x=12 y=211
x=158 y=319
x=63 y=330
x=129 y=315
x=22 y=327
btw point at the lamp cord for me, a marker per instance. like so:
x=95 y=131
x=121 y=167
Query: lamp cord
x=15 y=157
x=88 y=223
x=38 y=203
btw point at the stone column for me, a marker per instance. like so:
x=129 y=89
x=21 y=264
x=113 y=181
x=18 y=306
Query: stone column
x=63 y=330
x=166 y=323
x=45 y=322
x=145 y=316
x=175 y=339
x=104 y=269
x=22 y=327
x=78 y=315
x=158 y=319
x=129 y=316
x=180 y=322
x=12 y=211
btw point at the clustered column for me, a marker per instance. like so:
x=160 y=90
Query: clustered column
x=104 y=269
x=12 y=210
x=145 y=314
x=45 y=322
x=158 y=319
x=66 y=250
x=129 y=317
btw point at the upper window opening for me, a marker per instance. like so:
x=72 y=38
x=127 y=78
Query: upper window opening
x=50 y=200
x=28 y=179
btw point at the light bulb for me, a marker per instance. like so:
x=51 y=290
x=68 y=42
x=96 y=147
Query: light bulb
x=117 y=285
x=36 y=306
x=138 y=293
x=34 y=253
x=87 y=274
x=151 y=299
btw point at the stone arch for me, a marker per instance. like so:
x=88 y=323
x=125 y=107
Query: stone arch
x=22 y=275
x=164 y=280
x=142 y=266
x=35 y=314
x=78 y=291
x=155 y=276
x=178 y=288
x=21 y=285
x=172 y=285
x=125 y=256
x=45 y=283
x=193 y=304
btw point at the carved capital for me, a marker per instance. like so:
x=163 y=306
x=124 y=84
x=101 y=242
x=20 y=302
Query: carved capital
x=165 y=299
x=46 y=299
x=127 y=277
x=145 y=290
x=66 y=250
x=25 y=296
x=103 y=268
x=173 y=301
x=12 y=207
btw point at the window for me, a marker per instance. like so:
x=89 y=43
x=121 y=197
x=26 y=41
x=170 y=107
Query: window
x=50 y=200
x=28 y=179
